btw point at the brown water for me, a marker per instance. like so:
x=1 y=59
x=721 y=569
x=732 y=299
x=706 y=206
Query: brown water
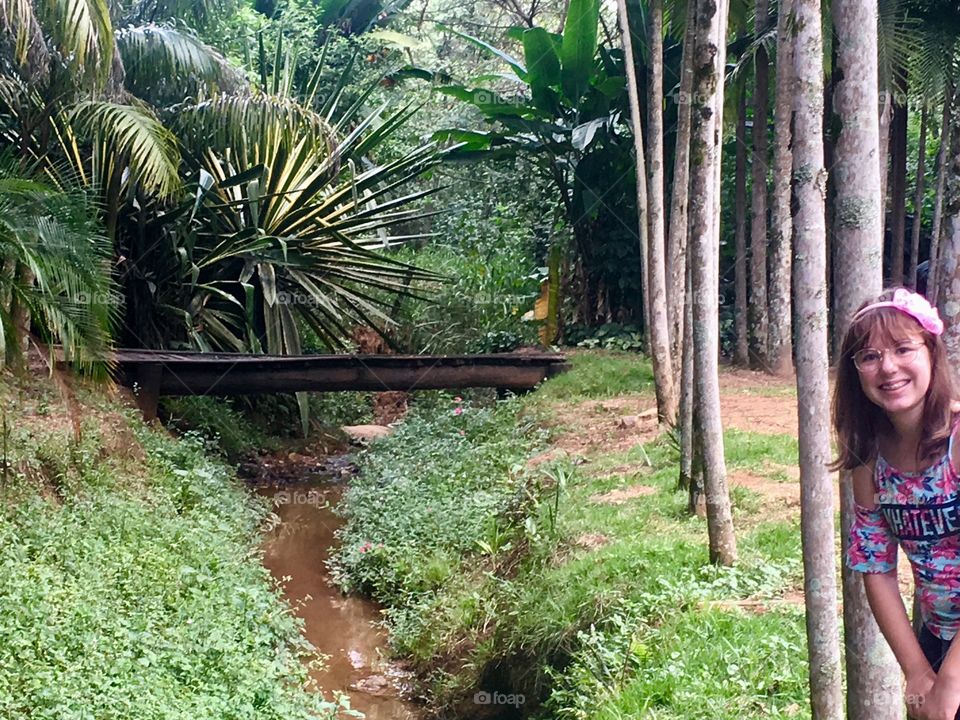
x=342 y=627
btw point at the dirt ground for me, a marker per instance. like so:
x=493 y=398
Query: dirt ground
x=749 y=401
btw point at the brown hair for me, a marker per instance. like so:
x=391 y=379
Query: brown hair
x=857 y=421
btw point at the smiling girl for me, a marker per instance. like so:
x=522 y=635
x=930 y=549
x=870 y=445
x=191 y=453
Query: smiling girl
x=895 y=416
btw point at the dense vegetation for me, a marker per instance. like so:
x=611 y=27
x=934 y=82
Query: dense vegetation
x=131 y=584
x=504 y=575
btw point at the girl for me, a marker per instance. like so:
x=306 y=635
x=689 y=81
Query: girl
x=895 y=417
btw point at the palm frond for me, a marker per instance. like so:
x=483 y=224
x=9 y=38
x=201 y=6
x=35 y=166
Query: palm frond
x=83 y=33
x=160 y=57
x=133 y=134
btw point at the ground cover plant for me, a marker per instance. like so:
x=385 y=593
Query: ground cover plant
x=130 y=581
x=574 y=578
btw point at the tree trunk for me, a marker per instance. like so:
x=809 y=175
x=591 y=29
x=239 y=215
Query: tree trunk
x=677 y=240
x=933 y=284
x=780 y=350
x=20 y=318
x=758 y=224
x=886 y=112
x=741 y=352
x=654 y=277
x=898 y=178
x=686 y=396
x=704 y=257
x=918 y=199
x=809 y=287
x=873 y=677
x=948 y=300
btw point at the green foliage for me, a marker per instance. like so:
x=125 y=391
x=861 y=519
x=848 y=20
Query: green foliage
x=225 y=428
x=426 y=494
x=140 y=594
x=589 y=609
x=612 y=336
x=52 y=264
x=599 y=374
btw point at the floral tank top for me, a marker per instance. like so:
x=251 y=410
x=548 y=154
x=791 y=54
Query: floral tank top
x=920 y=511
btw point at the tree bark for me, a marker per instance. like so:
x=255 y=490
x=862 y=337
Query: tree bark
x=873 y=676
x=933 y=284
x=667 y=400
x=918 y=199
x=741 y=350
x=886 y=112
x=686 y=397
x=758 y=225
x=677 y=238
x=780 y=350
x=647 y=195
x=809 y=287
x=20 y=318
x=898 y=178
x=948 y=300
x=704 y=255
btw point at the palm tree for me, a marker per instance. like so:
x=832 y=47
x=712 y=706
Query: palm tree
x=90 y=95
x=55 y=261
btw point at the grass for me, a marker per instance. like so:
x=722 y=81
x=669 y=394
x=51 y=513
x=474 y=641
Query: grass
x=130 y=577
x=523 y=583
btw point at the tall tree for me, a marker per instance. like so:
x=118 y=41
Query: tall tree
x=873 y=677
x=809 y=291
x=654 y=274
x=709 y=21
x=943 y=160
x=741 y=348
x=656 y=259
x=918 y=197
x=780 y=350
x=758 y=203
x=678 y=226
x=948 y=293
x=898 y=176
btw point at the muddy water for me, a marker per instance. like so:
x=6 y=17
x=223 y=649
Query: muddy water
x=342 y=627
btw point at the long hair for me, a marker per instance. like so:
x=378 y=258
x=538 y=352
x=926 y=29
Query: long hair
x=857 y=421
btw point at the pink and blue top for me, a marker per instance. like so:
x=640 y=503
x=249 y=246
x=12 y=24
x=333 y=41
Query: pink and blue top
x=920 y=511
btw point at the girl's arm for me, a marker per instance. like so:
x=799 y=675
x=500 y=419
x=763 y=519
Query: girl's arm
x=883 y=594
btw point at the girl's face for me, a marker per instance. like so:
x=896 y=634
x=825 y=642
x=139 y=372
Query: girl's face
x=895 y=370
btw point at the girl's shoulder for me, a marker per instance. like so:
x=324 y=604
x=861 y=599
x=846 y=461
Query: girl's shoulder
x=864 y=486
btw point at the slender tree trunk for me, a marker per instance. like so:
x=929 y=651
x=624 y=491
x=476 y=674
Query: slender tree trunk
x=667 y=400
x=704 y=256
x=933 y=275
x=677 y=239
x=918 y=199
x=20 y=318
x=873 y=677
x=741 y=352
x=809 y=288
x=780 y=351
x=898 y=178
x=758 y=225
x=886 y=113
x=686 y=397
x=948 y=300
x=657 y=329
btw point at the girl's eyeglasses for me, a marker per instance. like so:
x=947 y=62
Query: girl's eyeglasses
x=870 y=360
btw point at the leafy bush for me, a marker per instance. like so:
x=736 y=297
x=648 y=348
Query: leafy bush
x=426 y=495
x=612 y=336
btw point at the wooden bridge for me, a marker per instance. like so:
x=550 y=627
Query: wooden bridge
x=155 y=373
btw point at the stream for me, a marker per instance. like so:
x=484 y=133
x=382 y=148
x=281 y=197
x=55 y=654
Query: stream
x=343 y=627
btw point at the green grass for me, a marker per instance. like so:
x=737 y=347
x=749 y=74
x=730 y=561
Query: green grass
x=130 y=580
x=599 y=374
x=523 y=583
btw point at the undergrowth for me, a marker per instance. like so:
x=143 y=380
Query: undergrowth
x=130 y=581
x=513 y=579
